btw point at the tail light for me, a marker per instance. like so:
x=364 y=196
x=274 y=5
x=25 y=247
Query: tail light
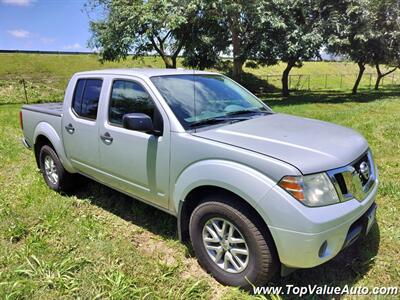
x=21 y=123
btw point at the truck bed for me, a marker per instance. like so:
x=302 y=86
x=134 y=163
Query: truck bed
x=54 y=109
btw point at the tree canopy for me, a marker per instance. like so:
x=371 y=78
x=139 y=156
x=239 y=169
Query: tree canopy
x=139 y=27
x=266 y=32
x=365 y=31
x=291 y=33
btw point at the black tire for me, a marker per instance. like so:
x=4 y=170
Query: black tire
x=262 y=260
x=64 y=181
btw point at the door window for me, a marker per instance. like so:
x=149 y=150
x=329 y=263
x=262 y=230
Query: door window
x=86 y=98
x=129 y=97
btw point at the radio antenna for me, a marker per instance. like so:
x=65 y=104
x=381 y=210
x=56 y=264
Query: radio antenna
x=193 y=69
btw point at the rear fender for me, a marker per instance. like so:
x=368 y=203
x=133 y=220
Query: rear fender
x=51 y=134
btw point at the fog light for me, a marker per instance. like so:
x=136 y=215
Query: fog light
x=322 y=249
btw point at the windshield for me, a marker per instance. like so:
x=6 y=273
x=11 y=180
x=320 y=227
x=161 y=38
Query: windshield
x=195 y=99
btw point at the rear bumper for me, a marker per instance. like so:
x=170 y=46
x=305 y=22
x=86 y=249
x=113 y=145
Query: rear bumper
x=306 y=249
x=26 y=144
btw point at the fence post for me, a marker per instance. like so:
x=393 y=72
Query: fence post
x=309 y=77
x=24 y=85
x=392 y=78
x=326 y=81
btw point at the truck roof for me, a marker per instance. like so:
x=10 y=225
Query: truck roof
x=143 y=72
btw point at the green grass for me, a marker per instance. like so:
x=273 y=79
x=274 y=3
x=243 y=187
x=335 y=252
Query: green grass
x=98 y=243
x=46 y=76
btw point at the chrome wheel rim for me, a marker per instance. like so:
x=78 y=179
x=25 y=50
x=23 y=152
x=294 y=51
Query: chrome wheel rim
x=50 y=170
x=225 y=245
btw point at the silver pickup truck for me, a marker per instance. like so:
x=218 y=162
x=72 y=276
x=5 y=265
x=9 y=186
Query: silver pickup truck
x=256 y=192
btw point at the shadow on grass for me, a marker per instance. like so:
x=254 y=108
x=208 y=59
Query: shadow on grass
x=253 y=83
x=347 y=268
x=127 y=208
x=331 y=97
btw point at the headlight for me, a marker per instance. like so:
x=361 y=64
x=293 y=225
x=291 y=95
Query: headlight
x=311 y=190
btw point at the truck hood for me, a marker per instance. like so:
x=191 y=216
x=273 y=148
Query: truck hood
x=310 y=145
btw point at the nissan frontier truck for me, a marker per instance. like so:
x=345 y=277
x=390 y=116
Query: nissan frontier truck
x=254 y=191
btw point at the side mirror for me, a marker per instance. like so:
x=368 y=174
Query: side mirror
x=138 y=121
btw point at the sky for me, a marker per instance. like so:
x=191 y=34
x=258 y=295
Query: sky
x=46 y=25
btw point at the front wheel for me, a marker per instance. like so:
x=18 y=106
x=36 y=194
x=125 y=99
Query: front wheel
x=228 y=244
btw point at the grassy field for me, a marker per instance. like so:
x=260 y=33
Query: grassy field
x=38 y=65
x=46 y=76
x=98 y=243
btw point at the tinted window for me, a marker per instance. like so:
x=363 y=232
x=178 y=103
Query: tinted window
x=194 y=98
x=129 y=97
x=86 y=97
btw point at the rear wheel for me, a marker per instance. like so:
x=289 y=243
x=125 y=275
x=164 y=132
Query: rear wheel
x=230 y=245
x=54 y=174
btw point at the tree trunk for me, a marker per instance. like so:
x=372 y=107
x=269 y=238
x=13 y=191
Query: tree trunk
x=361 y=67
x=237 y=69
x=285 y=78
x=173 y=58
x=380 y=75
x=378 y=81
x=169 y=64
x=237 y=59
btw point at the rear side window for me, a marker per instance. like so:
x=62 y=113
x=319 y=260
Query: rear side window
x=86 y=98
x=129 y=97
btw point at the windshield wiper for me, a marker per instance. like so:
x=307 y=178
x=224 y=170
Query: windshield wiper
x=248 y=111
x=229 y=117
x=212 y=121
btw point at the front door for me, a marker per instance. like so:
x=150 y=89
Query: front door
x=80 y=126
x=135 y=162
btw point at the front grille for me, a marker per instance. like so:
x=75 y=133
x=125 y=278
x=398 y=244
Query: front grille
x=342 y=184
x=355 y=180
x=356 y=166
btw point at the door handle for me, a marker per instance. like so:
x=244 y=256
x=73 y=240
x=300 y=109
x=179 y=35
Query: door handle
x=106 y=138
x=70 y=129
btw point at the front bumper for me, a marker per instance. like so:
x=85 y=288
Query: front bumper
x=336 y=225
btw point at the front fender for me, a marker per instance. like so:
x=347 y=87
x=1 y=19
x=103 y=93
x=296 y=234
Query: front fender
x=51 y=134
x=247 y=183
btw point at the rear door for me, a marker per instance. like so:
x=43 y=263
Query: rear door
x=80 y=126
x=135 y=162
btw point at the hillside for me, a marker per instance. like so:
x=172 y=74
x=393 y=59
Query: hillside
x=46 y=75
x=64 y=65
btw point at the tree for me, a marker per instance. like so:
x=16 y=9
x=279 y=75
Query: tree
x=348 y=31
x=140 y=27
x=241 y=20
x=209 y=38
x=386 y=24
x=292 y=33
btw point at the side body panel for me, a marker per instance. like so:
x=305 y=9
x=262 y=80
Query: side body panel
x=197 y=162
x=81 y=144
x=135 y=162
x=36 y=123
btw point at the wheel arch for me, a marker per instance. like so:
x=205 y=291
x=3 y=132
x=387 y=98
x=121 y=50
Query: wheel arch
x=196 y=196
x=217 y=175
x=45 y=134
x=41 y=140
